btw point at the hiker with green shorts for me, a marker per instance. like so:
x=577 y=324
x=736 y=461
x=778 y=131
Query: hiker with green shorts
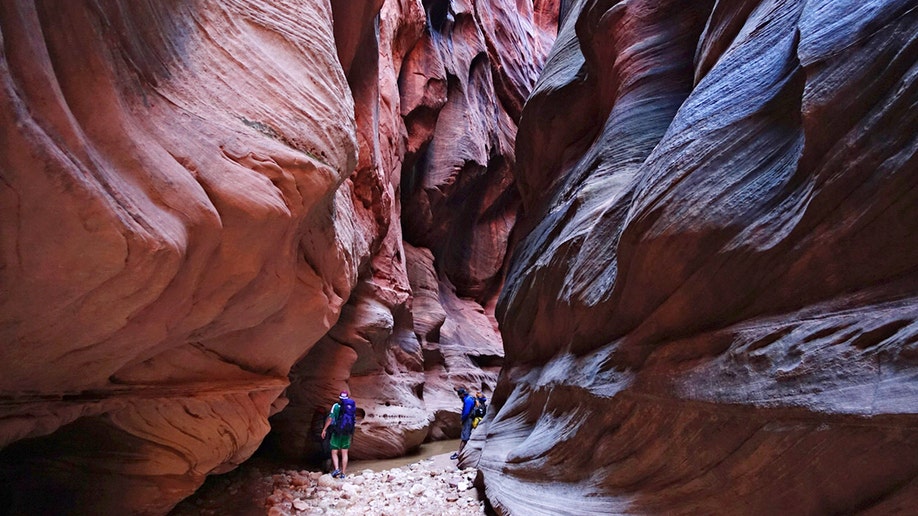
x=342 y=419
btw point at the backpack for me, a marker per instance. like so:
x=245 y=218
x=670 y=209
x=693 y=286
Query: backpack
x=480 y=409
x=347 y=417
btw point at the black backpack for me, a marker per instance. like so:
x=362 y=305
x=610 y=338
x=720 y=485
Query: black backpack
x=480 y=409
x=347 y=417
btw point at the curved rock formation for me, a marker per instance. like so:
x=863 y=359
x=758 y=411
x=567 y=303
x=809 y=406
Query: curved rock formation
x=200 y=198
x=177 y=232
x=713 y=307
x=438 y=87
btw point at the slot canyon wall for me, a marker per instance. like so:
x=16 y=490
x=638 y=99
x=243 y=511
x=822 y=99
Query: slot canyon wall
x=712 y=308
x=202 y=229
x=439 y=88
x=216 y=214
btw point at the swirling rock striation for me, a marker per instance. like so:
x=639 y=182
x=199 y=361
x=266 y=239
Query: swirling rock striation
x=176 y=233
x=201 y=219
x=712 y=307
x=435 y=85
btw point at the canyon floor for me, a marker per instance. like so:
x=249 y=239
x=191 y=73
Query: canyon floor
x=427 y=482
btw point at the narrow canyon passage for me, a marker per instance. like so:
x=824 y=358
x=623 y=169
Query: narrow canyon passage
x=674 y=244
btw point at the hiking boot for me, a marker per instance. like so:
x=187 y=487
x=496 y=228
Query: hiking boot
x=336 y=473
x=341 y=476
x=454 y=456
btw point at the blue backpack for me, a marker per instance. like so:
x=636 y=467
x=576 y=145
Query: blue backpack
x=347 y=417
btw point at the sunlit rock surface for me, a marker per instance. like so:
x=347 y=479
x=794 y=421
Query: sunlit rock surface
x=176 y=233
x=202 y=199
x=438 y=88
x=712 y=306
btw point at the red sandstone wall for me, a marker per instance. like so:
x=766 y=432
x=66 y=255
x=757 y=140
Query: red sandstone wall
x=201 y=205
x=712 y=309
x=177 y=232
x=438 y=88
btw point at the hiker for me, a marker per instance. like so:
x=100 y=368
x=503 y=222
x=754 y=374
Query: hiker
x=468 y=404
x=342 y=419
x=481 y=408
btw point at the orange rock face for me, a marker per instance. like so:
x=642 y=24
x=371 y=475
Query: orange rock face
x=214 y=215
x=712 y=308
x=434 y=86
x=172 y=218
x=201 y=205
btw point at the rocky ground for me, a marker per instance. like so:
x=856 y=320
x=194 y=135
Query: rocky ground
x=430 y=486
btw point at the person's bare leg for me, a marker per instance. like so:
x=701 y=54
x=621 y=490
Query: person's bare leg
x=335 y=459
x=343 y=460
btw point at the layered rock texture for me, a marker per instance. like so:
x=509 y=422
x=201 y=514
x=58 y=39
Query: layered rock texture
x=439 y=88
x=712 y=307
x=201 y=203
x=178 y=229
x=214 y=215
